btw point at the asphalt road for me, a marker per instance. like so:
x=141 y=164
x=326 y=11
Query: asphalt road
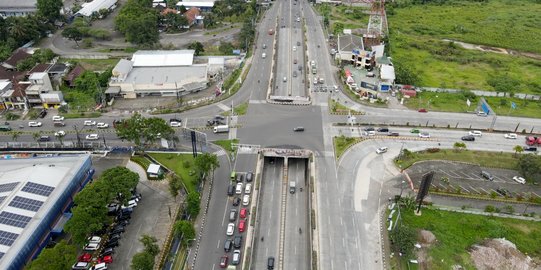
x=268 y=232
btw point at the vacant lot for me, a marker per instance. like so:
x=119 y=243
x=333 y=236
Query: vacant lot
x=182 y=165
x=456 y=102
x=416 y=43
x=457 y=232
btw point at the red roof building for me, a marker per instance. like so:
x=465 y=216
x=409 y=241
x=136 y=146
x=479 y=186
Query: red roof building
x=18 y=55
x=192 y=15
x=74 y=73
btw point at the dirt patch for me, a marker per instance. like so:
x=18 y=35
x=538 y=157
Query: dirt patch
x=500 y=254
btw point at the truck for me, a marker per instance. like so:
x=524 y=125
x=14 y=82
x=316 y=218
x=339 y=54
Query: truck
x=292 y=187
x=530 y=140
x=221 y=128
x=313 y=67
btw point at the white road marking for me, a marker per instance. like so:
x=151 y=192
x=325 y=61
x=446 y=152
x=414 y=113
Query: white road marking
x=218 y=246
x=223 y=106
x=225 y=211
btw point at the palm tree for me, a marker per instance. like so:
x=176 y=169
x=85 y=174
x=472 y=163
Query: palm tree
x=61 y=139
x=518 y=149
x=15 y=135
x=36 y=136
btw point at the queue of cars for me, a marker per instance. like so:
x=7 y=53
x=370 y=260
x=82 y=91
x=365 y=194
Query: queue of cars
x=100 y=247
x=236 y=226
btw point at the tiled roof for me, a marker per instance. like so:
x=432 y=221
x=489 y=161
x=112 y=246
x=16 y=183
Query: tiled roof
x=74 y=73
x=191 y=14
x=39 y=68
x=17 y=56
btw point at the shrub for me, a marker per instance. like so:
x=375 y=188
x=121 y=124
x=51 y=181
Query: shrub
x=490 y=209
x=433 y=150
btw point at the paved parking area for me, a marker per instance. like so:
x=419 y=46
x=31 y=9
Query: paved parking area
x=151 y=217
x=467 y=178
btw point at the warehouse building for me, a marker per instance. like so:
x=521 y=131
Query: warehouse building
x=35 y=193
x=158 y=73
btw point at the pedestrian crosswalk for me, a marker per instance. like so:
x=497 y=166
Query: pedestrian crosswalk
x=220 y=152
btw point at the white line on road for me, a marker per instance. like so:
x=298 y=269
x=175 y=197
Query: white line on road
x=218 y=246
x=341 y=221
x=225 y=211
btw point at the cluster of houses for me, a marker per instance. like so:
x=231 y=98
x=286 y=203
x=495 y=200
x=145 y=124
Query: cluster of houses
x=37 y=87
x=367 y=70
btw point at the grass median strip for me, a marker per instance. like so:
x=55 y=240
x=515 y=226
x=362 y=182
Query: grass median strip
x=226 y=144
x=342 y=143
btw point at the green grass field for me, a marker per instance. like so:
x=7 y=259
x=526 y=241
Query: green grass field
x=483 y=158
x=416 y=42
x=175 y=162
x=457 y=232
x=453 y=102
x=342 y=143
x=226 y=144
x=94 y=64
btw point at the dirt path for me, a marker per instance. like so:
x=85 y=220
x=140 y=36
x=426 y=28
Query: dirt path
x=484 y=48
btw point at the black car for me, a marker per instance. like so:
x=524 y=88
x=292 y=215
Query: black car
x=111 y=244
x=118 y=230
x=383 y=130
x=468 y=138
x=368 y=129
x=240 y=177
x=123 y=223
x=530 y=148
x=237 y=242
x=270 y=263
x=44 y=138
x=231 y=190
x=107 y=251
x=114 y=237
x=236 y=201
x=227 y=245
x=118 y=227
x=43 y=113
x=122 y=217
x=503 y=191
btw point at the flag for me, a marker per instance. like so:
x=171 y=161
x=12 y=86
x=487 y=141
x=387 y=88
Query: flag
x=468 y=102
x=513 y=105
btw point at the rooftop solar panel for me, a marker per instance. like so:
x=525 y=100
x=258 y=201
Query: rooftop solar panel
x=13 y=219
x=26 y=204
x=7 y=238
x=38 y=189
x=8 y=187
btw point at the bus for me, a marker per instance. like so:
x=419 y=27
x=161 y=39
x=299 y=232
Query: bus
x=5 y=128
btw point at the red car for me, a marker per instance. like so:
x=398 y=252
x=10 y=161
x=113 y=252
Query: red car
x=85 y=257
x=243 y=213
x=242 y=225
x=223 y=261
x=423 y=110
x=106 y=259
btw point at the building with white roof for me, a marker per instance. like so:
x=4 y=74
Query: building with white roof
x=89 y=8
x=163 y=73
x=387 y=77
x=10 y=8
x=202 y=5
x=34 y=194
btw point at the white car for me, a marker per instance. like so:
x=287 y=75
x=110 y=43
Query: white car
x=248 y=188
x=34 y=124
x=424 y=135
x=238 y=188
x=175 y=124
x=382 y=150
x=294 y=48
x=91 y=246
x=102 y=125
x=510 y=136
x=92 y=137
x=99 y=266
x=246 y=200
x=230 y=229
x=60 y=133
x=57 y=118
x=89 y=123
x=94 y=239
x=475 y=133
x=519 y=180
x=130 y=204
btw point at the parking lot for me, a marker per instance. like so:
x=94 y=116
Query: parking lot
x=151 y=216
x=454 y=176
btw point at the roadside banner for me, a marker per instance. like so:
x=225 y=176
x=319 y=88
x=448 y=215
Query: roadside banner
x=513 y=105
x=468 y=102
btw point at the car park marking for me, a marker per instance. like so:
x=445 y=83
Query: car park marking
x=476 y=191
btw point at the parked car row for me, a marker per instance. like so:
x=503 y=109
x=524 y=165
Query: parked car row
x=103 y=243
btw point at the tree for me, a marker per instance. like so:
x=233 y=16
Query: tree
x=175 y=184
x=141 y=130
x=518 y=149
x=404 y=75
x=502 y=83
x=226 y=48
x=142 y=261
x=185 y=229
x=197 y=46
x=149 y=242
x=89 y=83
x=49 y=9
x=15 y=135
x=209 y=21
x=459 y=146
x=138 y=22
x=206 y=162
x=193 y=202
x=36 y=136
x=529 y=166
x=72 y=33
x=61 y=256
x=403 y=238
